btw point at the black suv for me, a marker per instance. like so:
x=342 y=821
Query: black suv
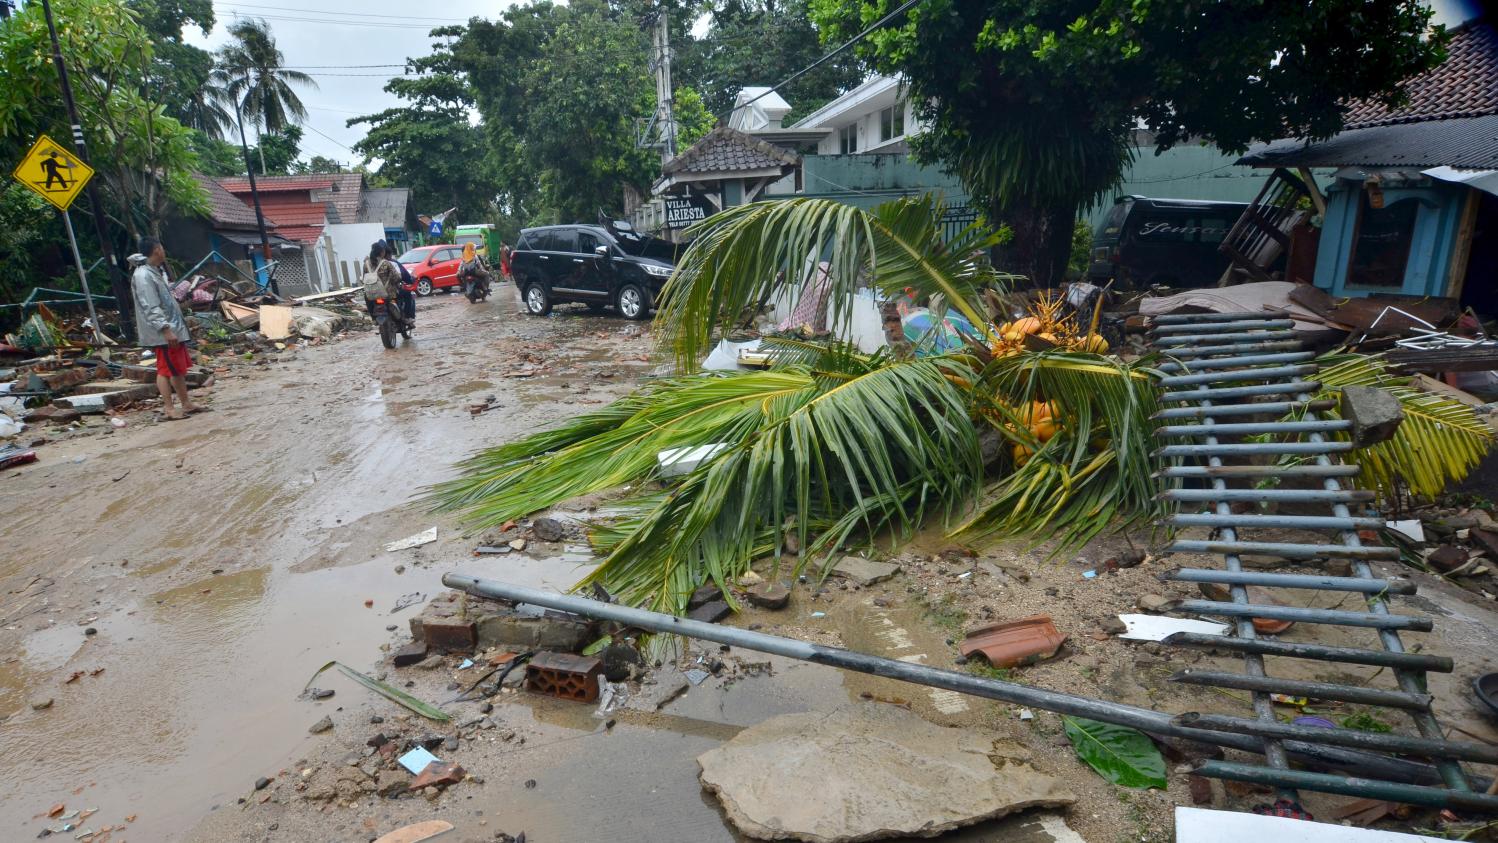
x=596 y=265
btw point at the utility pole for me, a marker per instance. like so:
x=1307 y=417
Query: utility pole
x=249 y=168
x=119 y=285
x=660 y=63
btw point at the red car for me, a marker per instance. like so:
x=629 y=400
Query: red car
x=433 y=267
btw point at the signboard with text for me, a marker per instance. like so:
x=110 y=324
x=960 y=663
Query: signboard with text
x=682 y=211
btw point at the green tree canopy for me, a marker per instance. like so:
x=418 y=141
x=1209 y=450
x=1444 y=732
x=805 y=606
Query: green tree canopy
x=251 y=70
x=1031 y=102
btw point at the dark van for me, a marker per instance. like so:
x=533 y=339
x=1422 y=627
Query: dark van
x=1170 y=242
x=598 y=266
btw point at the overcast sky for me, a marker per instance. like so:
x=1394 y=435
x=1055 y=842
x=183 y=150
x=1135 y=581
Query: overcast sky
x=330 y=38
x=330 y=42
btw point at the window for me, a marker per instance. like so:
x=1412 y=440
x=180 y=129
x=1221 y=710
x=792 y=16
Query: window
x=892 y=122
x=525 y=243
x=561 y=240
x=586 y=242
x=847 y=139
x=1381 y=247
x=411 y=256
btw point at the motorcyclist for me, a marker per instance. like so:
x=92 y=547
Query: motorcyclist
x=473 y=270
x=382 y=278
x=406 y=299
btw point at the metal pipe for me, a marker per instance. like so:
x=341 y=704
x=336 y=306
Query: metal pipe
x=1267 y=408
x=1433 y=797
x=1260 y=471
x=1288 y=550
x=1246 y=336
x=1237 y=348
x=1233 y=362
x=1317 y=652
x=1313 y=581
x=1269 y=522
x=1253 y=428
x=1292 y=388
x=1296 y=613
x=1301 y=688
x=1465 y=750
x=1225 y=327
x=1254 y=449
x=1263 y=374
x=1182 y=318
x=1125 y=715
x=1282 y=495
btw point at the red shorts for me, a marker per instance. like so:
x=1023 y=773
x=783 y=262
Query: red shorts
x=172 y=362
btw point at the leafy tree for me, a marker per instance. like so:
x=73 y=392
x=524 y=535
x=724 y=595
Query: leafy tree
x=277 y=152
x=693 y=120
x=252 y=72
x=143 y=158
x=180 y=70
x=428 y=144
x=216 y=157
x=1031 y=103
x=319 y=164
x=761 y=42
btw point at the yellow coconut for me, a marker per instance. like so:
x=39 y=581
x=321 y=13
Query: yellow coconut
x=1020 y=453
x=1094 y=344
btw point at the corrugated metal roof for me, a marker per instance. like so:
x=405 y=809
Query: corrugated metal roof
x=386 y=206
x=1469 y=143
x=729 y=150
x=1465 y=85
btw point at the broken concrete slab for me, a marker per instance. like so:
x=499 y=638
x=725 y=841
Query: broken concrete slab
x=877 y=771
x=704 y=595
x=100 y=401
x=1375 y=414
x=410 y=654
x=769 y=595
x=864 y=571
x=667 y=687
x=526 y=627
x=710 y=612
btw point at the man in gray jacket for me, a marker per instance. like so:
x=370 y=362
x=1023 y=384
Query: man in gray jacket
x=159 y=324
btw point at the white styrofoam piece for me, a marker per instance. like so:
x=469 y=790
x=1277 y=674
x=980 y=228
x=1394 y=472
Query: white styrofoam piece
x=1157 y=627
x=1200 y=825
x=426 y=537
x=678 y=461
x=725 y=357
x=1410 y=527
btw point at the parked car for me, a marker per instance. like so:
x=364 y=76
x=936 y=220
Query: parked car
x=433 y=267
x=1171 y=242
x=600 y=266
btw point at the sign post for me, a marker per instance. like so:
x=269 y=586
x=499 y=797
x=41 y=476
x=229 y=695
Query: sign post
x=58 y=176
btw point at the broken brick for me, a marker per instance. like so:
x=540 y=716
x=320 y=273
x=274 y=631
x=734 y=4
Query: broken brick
x=438 y=774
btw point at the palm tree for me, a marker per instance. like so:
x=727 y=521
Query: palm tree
x=206 y=111
x=249 y=69
x=831 y=449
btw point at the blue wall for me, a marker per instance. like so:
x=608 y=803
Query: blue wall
x=1437 y=218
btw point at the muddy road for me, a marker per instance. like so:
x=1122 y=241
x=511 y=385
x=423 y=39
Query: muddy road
x=223 y=558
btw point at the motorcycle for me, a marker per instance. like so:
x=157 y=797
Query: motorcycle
x=475 y=284
x=390 y=322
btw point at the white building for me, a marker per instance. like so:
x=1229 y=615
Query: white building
x=873 y=118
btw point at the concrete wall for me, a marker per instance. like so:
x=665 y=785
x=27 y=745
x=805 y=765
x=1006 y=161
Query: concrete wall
x=350 y=246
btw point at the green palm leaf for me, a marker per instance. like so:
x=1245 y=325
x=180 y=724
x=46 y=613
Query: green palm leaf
x=749 y=255
x=1438 y=443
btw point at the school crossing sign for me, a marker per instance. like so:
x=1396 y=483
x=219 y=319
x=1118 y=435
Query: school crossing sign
x=56 y=174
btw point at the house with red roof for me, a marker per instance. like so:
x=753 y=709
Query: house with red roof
x=1413 y=205
x=229 y=229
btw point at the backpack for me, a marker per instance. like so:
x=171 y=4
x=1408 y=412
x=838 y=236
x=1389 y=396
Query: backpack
x=373 y=287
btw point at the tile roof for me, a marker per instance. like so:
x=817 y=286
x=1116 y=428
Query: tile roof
x=1466 y=142
x=227 y=210
x=298 y=219
x=729 y=150
x=281 y=184
x=345 y=197
x=1465 y=85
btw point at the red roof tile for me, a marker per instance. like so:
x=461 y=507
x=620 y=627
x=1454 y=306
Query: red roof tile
x=281 y=184
x=1465 y=85
x=227 y=210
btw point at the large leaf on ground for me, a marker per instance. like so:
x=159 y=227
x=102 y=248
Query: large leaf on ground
x=1121 y=755
x=1438 y=443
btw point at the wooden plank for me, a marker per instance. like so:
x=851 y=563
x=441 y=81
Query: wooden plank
x=1317 y=199
x=275 y=321
x=246 y=317
x=1456 y=271
x=1411 y=360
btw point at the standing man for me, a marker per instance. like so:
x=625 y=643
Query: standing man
x=159 y=324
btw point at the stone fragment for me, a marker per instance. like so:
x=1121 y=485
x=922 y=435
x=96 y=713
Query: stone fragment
x=439 y=774
x=391 y=783
x=914 y=778
x=321 y=726
x=864 y=572
x=548 y=530
x=1374 y=412
x=1152 y=603
x=412 y=653
x=704 y=595
x=710 y=612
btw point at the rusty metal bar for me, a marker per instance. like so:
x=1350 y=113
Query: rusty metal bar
x=1254 y=428
x=1285 y=522
x=1465 y=750
x=1336 y=617
x=1259 y=471
x=1224 y=327
x=1233 y=362
x=1265 y=495
x=1317 y=652
x=1245 y=337
x=1264 y=374
x=1433 y=797
x=1319 y=582
x=1302 y=688
x=1249 y=449
x=1263 y=408
x=1288 y=550
x=1293 y=388
x=1237 y=348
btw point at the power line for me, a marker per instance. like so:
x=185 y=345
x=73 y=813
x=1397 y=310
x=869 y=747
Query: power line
x=336 y=66
x=337 y=22
x=899 y=10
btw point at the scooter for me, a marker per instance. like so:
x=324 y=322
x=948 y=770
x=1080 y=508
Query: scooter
x=389 y=321
x=476 y=288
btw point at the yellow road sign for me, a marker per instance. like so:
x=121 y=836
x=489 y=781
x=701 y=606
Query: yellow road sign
x=53 y=172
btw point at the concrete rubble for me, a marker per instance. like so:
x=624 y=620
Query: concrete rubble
x=914 y=778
